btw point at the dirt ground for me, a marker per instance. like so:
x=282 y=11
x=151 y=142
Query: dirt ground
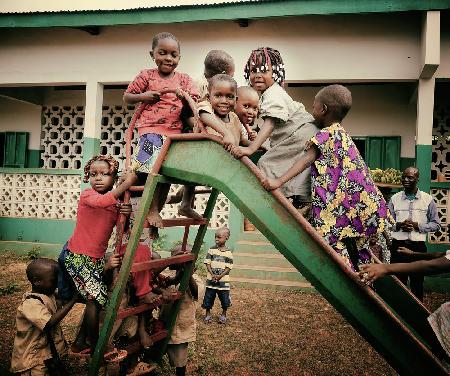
x=269 y=333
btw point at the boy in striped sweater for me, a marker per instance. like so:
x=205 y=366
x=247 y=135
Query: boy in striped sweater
x=219 y=262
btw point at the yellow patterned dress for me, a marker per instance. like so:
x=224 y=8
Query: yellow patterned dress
x=345 y=201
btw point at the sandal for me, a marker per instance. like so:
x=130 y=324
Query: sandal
x=208 y=319
x=142 y=368
x=115 y=355
x=83 y=353
x=222 y=319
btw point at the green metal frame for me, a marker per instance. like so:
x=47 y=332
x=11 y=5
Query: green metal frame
x=230 y=11
x=111 y=309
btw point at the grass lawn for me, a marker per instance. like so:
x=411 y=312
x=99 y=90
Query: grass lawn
x=269 y=333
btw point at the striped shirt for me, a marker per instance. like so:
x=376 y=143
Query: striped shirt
x=219 y=259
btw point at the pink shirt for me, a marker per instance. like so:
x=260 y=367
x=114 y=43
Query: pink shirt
x=96 y=218
x=163 y=117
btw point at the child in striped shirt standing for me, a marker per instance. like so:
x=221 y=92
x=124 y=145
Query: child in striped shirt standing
x=219 y=262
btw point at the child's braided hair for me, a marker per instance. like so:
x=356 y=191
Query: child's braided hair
x=262 y=57
x=112 y=163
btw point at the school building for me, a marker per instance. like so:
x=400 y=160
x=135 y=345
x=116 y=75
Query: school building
x=64 y=66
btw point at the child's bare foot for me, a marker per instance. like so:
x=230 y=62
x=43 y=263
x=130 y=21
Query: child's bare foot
x=187 y=211
x=154 y=219
x=145 y=340
x=149 y=298
x=80 y=349
x=176 y=198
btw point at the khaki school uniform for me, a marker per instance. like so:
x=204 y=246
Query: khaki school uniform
x=31 y=347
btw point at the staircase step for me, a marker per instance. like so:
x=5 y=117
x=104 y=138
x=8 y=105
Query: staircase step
x=272 y=284
x=252 y=236
x=250 y=246
x=260 y=260
x=266 y=273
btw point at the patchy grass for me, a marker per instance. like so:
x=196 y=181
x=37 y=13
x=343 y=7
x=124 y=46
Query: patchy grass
x=268 y=333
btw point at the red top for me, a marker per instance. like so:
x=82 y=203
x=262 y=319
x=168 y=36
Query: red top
x=163 y=117
x=96 y=218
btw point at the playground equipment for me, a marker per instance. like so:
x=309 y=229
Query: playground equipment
x=391 y=319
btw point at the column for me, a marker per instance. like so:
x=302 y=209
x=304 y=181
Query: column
x=92 y=120
x=430 y=60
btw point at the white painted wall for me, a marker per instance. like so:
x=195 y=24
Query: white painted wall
x=315 y=48
x=378 y=110
x=17 y=116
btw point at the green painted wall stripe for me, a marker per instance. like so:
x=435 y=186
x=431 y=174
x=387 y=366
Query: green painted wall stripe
x=423 y=163
x=217 y=12
x=36 y=230
x=50 y=171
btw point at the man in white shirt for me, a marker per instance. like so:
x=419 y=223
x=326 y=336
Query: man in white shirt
x=415 y=215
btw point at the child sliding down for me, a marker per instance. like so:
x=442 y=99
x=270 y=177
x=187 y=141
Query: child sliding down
x=346 y=205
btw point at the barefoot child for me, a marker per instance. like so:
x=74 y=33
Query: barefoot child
x=427 y=263
x=38 y=319
x=185 y=328
x=346 y=205
x=219 y=262
x=162 y=89
x=83 y=257
x=216 y=62
x=219 y=119
x=247 y=107
x=286 y=123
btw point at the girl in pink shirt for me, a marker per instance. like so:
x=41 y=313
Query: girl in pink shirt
x=162 y=91
x=82 y=259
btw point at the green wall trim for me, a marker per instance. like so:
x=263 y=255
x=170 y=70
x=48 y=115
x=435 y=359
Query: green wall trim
x=50 y=171
x=215 y=12
x=423 y=163
x=437 y=184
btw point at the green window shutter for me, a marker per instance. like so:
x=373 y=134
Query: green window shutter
x=15 y=150
x=392 y=147
x=374 y=152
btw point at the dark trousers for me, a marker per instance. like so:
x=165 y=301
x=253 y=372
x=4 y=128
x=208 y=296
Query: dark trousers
x=415 y=280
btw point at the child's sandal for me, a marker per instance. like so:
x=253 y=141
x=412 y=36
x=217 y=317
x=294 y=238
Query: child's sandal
x=222 y=319
x=208 y=319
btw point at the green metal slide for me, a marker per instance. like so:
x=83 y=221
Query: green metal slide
x=389 y=317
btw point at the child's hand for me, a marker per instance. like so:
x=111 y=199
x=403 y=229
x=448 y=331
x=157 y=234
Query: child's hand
x=238 y=151
x=124 y=208
x=150 y=97
x=271 y=184
x=371 y=272
x=113 y=262
x=405 y=251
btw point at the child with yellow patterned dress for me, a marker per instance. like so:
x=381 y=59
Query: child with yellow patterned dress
x=347 y=207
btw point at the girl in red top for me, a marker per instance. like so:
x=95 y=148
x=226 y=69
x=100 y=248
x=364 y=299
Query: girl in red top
x=162 y=90
x=82 y=259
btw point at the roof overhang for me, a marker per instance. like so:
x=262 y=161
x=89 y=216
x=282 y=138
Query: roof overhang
x=205 y=11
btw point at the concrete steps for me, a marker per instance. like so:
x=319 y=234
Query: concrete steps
x=257 y=263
